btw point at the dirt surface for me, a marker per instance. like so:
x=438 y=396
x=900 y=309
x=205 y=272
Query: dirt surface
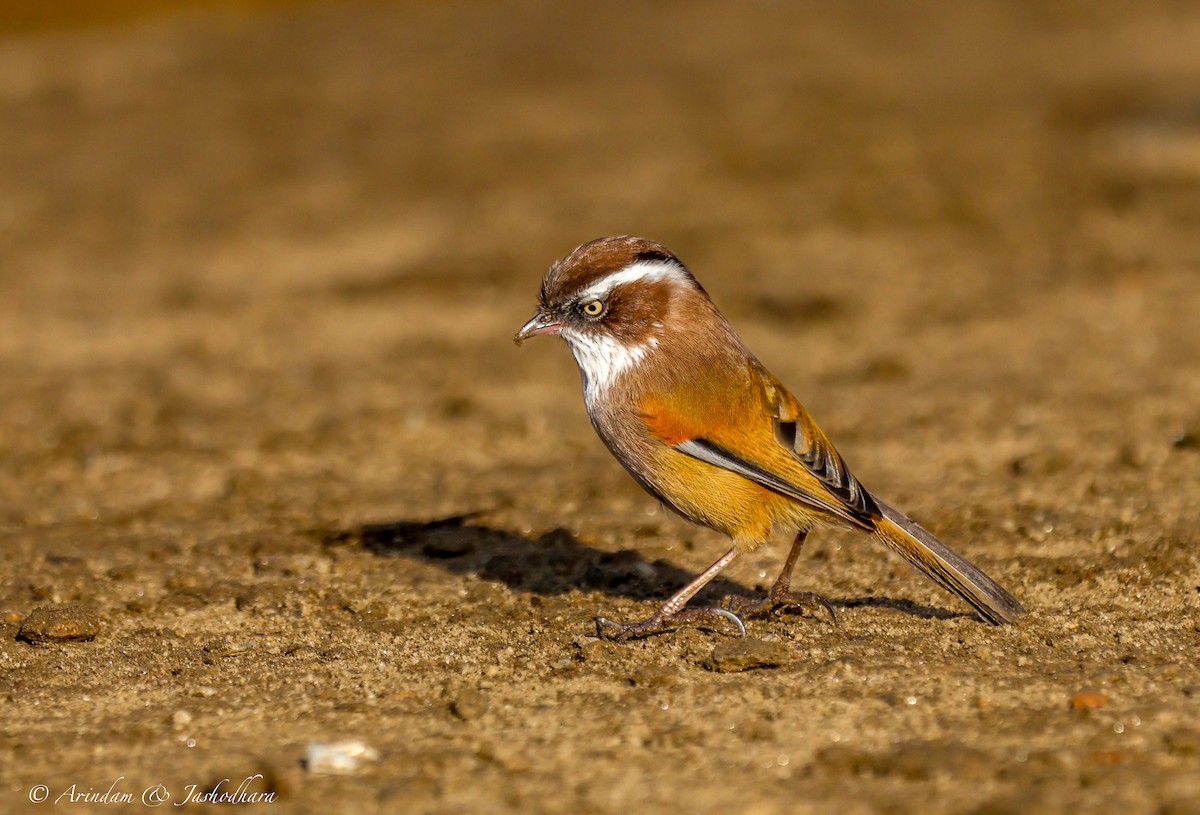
x=275 y=475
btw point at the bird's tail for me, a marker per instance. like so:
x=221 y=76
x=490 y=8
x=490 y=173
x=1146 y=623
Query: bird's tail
x=952 y=572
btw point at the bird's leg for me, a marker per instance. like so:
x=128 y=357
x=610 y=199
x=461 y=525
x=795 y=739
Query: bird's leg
x=672 y=613
x=781 y=593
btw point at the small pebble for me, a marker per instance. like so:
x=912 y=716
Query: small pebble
x=1088 y=699
x=469 y=705
x=922 y=761
x=509 y=757
x=1041 y=462
x=1181 y=806
x=345 y=757
x=1183 y=742
x=266 y=601
x=371 y=611
x=745 y=654
x=841 y=759
x=912 y=761
x=654 y=676
x=1187 y=440
x=56 y=624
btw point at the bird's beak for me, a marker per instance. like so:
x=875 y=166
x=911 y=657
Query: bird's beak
x=542 y=323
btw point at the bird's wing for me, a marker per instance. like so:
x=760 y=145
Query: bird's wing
x=754 y=427
x=796 y=432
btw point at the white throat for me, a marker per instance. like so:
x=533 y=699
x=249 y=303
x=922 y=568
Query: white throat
x=602 y=360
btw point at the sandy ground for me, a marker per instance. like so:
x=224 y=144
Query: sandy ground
x=268 y=445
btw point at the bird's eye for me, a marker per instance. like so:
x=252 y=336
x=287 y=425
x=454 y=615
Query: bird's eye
x=593 y=308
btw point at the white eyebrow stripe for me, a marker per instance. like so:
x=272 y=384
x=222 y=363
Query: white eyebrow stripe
x=649 y=270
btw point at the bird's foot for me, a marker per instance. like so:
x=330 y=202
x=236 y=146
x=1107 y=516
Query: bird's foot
x=780 y=597
x=661 y=621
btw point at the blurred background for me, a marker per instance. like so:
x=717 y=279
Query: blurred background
x=231 y=225
x=260 y=263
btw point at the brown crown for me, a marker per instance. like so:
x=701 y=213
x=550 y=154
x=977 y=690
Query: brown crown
x=595 y=259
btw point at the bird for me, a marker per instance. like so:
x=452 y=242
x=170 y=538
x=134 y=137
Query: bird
x=693 y=416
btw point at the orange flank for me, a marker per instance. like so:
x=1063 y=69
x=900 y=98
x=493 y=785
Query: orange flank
x=671 y=427
x=711 y=495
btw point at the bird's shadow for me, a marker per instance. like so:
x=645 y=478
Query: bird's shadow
x=550 y=564
x=557 y=562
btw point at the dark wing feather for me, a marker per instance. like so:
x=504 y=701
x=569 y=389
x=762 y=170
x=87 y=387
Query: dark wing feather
x=797 y=461
x=711 y=453
x=796 y=431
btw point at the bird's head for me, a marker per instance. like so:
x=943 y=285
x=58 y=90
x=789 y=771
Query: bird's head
x=609 y=299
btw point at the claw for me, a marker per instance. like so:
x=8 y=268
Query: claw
x=673 y=614
x=777 y=599
x=604 y=626
x=733 y=618
x=658 y=622
x=825 y=604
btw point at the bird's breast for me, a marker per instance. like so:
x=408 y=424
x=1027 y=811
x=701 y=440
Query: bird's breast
x=705 y=494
